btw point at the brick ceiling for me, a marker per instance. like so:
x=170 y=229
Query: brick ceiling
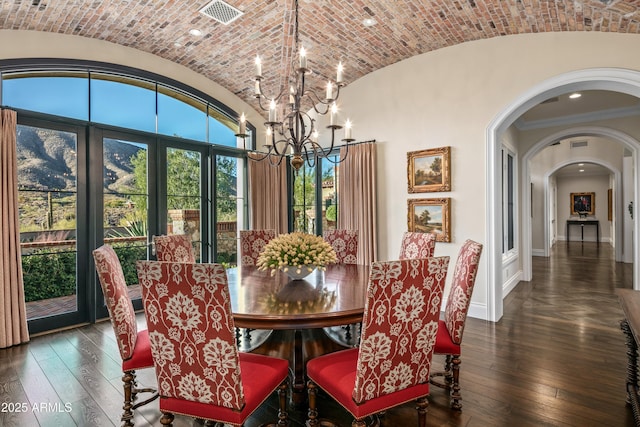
x=330 y=30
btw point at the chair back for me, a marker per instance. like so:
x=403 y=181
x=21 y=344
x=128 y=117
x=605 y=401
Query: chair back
x=174 y=247
x=399 y=326
x=464 y=278
x=417 y=245
x=116 y=296
x=344 y=243
x=191 y=332
x=251 y=244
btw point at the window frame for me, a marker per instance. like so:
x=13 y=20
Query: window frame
x=510 y=224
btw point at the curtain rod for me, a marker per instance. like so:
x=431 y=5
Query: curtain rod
x=358 y=143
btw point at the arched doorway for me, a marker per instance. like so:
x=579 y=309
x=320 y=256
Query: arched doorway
x=611 y=79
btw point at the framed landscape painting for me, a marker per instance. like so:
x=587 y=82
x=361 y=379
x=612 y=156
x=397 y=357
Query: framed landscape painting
x=430 y=216
x=583 y=203
x=429 y=170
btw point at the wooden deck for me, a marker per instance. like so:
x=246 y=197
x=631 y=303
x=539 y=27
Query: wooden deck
x=556 y=358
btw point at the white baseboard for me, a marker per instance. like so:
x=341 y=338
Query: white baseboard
x=478 y=311
x=511 y=284
x=537 y=252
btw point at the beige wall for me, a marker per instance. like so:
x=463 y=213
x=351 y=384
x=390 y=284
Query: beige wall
x=443 y=98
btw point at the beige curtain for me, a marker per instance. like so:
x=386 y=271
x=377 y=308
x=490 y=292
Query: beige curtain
x=13 y=316
x=268 y=195
x=357 y=198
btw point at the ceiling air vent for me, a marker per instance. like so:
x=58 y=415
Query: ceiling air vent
x=221 y=12
x=576 y=144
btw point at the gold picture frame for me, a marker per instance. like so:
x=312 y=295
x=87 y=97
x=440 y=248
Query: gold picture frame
x=583 y=203
x=429 y=170
x=430 y=216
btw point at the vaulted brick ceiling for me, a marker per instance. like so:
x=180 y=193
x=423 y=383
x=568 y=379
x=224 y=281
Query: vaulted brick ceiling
x=330 y=30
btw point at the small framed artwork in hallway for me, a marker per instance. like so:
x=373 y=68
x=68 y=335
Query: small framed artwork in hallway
x=583 y=203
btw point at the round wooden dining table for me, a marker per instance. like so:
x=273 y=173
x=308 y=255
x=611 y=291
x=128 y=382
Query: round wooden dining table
x=297 y=311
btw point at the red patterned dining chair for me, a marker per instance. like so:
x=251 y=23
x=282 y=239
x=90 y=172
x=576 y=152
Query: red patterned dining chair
x=133 y=344
x=399 y=329
x=417 y=245
x=455 y=315
x=251 y=244
x=199 y=369
x=174 y=247
x=344 y=243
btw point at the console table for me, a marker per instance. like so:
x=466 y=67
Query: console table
x=630 y=302
x=582 y=223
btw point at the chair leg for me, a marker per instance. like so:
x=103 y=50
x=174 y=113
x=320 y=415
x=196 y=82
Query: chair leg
x=167 y=419
x=448 y=377
x=422 y=405
x=312 y=415
x=283 y=416
x=128 y=380
x=455 y=384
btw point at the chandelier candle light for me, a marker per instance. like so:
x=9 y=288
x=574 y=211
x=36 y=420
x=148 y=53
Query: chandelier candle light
x=296 y=134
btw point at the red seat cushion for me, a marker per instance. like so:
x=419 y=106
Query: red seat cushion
x=335 y=373
x=141 y=357
x=444 y=344
x=260 y=376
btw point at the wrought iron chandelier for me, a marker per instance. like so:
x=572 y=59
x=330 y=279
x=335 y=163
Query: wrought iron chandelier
x=290 y=130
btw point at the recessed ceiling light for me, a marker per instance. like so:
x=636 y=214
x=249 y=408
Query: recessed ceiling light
x=580 y=164
x=575 y=95
x=581 y=170
x=369 y=22
x=195 y=32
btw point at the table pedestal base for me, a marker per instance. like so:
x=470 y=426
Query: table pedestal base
x=298 y=346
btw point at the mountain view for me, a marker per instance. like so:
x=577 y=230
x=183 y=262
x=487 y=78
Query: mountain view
x=47 y=160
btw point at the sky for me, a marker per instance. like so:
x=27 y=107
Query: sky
x=115 y=103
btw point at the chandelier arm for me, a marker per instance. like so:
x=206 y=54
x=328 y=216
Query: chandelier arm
x=310 y=160
x=275 y=145
x=260 y=102
x=322 y=112
x=261 y=155
x=341 y=157
x=316 y=99
x=262 y=95
x=275 y=163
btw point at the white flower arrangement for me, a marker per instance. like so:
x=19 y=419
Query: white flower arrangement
x=296 y=250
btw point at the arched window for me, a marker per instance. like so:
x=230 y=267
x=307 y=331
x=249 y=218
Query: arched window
x=114 y=155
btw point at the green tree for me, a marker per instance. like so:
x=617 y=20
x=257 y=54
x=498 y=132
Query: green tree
x=436 y=166
x=226 y=182
x=425 y=217
x=183 y=182
x=183 y=179
x=304 y=196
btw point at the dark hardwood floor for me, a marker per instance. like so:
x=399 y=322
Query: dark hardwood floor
x=556 y=358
